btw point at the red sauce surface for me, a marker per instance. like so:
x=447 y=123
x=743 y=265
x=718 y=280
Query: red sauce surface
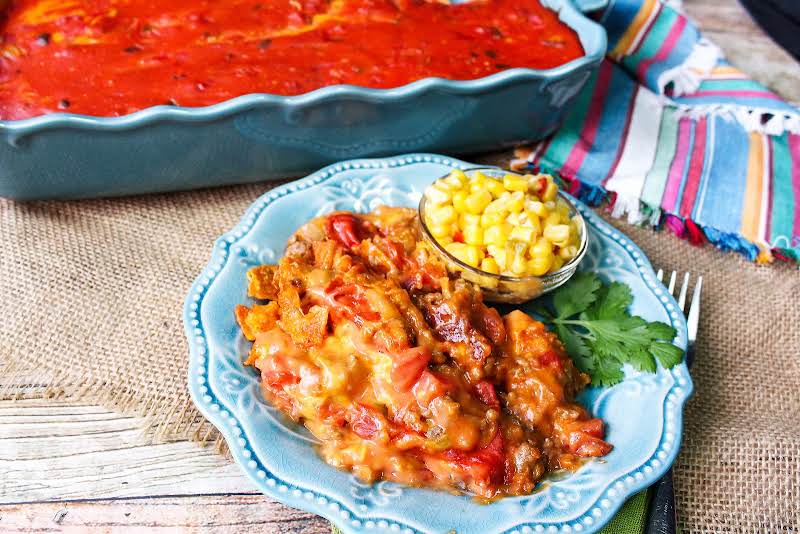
x=113 y=57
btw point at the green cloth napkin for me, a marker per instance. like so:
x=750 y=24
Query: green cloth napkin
x=631 y=517
x=629 y=520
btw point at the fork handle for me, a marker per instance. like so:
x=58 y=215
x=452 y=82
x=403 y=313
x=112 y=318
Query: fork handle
x=661 y=519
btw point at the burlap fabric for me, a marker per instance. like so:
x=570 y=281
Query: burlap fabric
x=91 y=297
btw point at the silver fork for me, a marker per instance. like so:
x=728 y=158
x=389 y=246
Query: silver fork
x=661 y=518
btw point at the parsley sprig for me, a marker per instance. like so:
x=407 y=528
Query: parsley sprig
x=592 y=320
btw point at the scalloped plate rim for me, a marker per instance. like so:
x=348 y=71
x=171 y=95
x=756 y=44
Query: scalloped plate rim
x=220 y=255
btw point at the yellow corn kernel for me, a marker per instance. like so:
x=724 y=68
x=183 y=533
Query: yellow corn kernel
x=513 y=219
x=557 y=264
x=451 y=184
x=563 y=210
x=430 y=213
x=459 y=175
x=550 y=192
x=552 y=219
x=568 y=252
x=497 y=234
x=539 y=265
x=574 y=234
x=537 y=208
x=521 y=233
x=515 y=257
x=518 y=267
x=478 y=182
x=444 y=240
x=490 y=218
x=542 y=247
x=473 y=235
x=437 y=195
x=557 y=233
x=477 y=201
x=490 y=266
x=532 y=221
x=495 y=187
x=472 y=255
x=468 y=219
x=440 y=230
x=515 y=183
x=499 y=255
x=459 y=198
x=458 y=250
x=500 y=204
x=516 y=202
x=446 y=214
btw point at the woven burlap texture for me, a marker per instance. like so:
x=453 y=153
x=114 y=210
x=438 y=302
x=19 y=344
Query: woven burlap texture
x=91 y=306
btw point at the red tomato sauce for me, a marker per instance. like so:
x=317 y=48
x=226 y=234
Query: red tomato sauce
x=114 y=57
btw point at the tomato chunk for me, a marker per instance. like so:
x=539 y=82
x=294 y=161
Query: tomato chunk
x=486 y=393
x=407 y=367
x=353 y=303
x=430 y=386
x=333 y=413
x=587 y=440
x=396 y=253
x=484 y=467
x=367 y=422
x=343 y=228
x=551 y=359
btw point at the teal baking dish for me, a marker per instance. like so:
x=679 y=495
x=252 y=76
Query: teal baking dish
x=260 y=137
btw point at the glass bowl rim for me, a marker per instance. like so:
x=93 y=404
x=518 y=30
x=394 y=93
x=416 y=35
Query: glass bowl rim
x=584 y=245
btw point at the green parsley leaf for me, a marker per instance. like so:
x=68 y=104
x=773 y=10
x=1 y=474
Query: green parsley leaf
x=576 y=295
x=668 y=354
x=608 y=372
x=592 y=320
x=642 y=360
x=661 y=331
x=576 y=348
x=613 y=301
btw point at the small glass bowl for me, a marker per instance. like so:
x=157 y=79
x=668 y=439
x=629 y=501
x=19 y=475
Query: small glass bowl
x=504 y=288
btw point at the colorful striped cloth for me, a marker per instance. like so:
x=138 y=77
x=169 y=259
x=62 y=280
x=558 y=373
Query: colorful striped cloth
x=670 y=134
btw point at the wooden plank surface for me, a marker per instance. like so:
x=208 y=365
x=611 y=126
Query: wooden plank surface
x=85 y=469
x=747 y=47
x=216 y=513
x=54 y=451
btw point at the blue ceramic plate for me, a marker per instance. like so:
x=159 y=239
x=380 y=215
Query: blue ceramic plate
x=643 y=413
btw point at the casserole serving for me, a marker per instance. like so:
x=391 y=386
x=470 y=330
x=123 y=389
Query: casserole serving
x=402 y=372
x=280 y=457
x=262 y=136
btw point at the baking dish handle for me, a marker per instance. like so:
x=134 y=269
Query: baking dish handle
x=587 y=6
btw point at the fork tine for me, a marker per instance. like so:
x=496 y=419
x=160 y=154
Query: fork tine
x=694 y=310
x=671 y=287
x=684 y=289
x=660 y=275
